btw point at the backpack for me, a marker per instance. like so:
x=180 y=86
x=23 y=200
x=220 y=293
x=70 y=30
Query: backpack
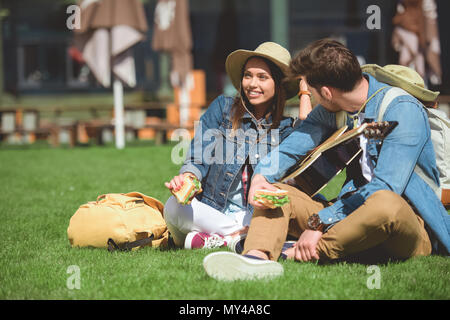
x=440 y=137
x=119 y=221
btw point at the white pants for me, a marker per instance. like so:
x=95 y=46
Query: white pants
x=197 y=216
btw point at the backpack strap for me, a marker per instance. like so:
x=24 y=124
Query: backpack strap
x=341 y=119
x=389 y=96
x=127 y=246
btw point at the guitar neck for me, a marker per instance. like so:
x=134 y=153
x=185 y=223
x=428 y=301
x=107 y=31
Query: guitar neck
x=346 y=136
x=335 y=139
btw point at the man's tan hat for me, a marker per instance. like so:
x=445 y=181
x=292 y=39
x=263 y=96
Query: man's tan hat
x=403 y=77
x=269 y=50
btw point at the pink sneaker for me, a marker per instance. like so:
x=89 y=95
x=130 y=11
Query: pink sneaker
x=203 y=240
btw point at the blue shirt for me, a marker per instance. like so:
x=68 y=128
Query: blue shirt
x=407 y=145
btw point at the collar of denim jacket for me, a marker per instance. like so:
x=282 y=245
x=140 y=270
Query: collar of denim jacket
x=266 y=121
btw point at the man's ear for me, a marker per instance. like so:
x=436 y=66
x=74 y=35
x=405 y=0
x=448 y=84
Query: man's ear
x=326 y=93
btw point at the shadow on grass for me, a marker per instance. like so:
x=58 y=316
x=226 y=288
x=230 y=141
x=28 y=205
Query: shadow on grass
x=374 y=256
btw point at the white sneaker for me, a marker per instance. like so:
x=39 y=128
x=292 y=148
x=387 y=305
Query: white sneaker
x=228 y=266
x=236 y=243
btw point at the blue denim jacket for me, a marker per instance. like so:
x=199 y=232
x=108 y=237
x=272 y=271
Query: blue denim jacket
x=407 y=145
x=216 y=155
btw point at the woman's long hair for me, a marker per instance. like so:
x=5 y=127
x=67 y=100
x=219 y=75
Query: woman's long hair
x=279 y=100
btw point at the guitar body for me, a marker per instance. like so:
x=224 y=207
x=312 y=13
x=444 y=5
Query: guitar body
x=324 y=168
x=331 y=157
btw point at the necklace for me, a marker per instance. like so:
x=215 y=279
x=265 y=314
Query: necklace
x=259 y=123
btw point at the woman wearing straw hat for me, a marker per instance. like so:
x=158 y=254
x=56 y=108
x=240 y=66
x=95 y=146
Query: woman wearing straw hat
x=233 y=135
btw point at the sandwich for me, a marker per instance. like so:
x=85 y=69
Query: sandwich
x=271 y=199
x=191 y=186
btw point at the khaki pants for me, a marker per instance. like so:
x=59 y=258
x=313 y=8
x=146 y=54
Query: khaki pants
x=384 y=222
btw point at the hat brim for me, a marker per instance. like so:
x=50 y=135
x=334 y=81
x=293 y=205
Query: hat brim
x=392 y=79
x=235 y=63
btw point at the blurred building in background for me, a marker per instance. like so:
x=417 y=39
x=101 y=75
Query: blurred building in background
x=36 y=41
x=39 y=58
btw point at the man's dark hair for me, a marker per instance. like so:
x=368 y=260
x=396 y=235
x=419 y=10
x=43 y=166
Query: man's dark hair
x=327 y=62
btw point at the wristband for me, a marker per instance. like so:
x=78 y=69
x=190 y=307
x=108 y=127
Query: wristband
x=302 y=92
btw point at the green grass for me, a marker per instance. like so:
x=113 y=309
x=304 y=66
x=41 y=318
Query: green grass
x=41 y=188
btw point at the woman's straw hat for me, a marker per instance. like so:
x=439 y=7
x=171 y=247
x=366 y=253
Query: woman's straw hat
x=269 y=50
x=403 y=77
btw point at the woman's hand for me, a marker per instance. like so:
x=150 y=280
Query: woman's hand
x=177 y=182
x=303 y=86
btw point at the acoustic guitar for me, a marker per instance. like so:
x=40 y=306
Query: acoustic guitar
x=327 y=160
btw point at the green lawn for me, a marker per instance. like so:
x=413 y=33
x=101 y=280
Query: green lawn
x=40 y=189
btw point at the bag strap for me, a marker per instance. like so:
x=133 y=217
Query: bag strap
x=341 y=119
x=152 y=202
x=390 y=95
x=127 y=246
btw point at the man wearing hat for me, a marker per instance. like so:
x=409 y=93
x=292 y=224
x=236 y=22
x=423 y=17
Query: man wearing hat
x=385 y=210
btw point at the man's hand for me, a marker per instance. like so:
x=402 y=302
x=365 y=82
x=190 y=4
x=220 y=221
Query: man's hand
x=259 y=183
x=305 y=248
